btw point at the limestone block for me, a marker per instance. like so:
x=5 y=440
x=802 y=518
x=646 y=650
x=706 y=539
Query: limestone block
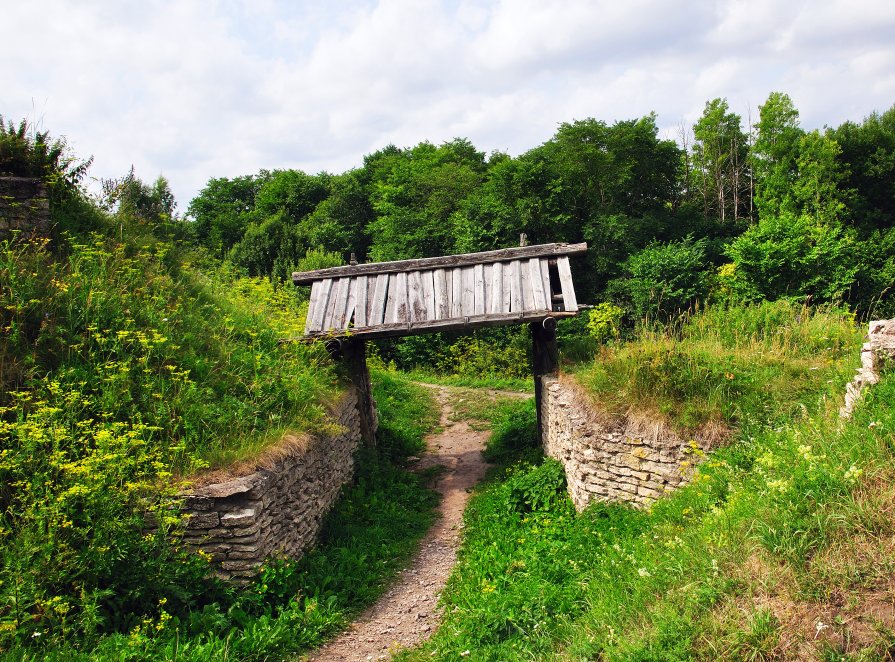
x=203 y=520
x=244 y=517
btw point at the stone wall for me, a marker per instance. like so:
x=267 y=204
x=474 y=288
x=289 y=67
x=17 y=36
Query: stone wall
x=879 y=348
x=24 y=205
x=609 y=458
x=240 y=522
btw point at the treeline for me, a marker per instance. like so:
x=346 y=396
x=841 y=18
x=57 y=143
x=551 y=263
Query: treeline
x=764 y=211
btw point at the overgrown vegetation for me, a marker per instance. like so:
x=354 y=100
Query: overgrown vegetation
x=139 y=347
x=726 y=364
x=128 y=364
x=773 y=551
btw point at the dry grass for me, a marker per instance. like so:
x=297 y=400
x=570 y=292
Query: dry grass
x=841 y=606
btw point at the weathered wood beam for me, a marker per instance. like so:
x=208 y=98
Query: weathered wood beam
x=544 y=360
x=354 y=354
x=466 y=259
x=432 y=326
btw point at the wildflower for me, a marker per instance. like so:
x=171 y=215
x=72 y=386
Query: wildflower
x=643 y=572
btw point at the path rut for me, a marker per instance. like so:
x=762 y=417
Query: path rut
x=407 y=614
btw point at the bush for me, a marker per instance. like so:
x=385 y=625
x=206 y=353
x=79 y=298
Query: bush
x=793 y=256
x=663 y=279
x=603 y=322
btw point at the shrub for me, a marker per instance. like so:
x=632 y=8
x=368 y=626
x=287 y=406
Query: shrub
x=793 y=256
x=603 y=322
x=663 y=279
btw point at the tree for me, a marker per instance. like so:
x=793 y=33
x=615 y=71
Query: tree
x=719 y=162
x=416 y=200
x=775 y=152
x=223 y=210
x=867 y=160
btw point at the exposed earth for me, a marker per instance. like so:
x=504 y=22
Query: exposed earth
x=407 y=614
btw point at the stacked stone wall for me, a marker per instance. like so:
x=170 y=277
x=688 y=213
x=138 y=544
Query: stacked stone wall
x=610 y=458
x=243 y=521
x=24 y=206
x=878 y=349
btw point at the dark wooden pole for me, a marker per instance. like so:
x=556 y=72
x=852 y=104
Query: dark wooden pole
x=545 y=360
x=354 y=353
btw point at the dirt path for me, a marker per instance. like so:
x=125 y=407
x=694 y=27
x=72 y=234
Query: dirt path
x=407 y=614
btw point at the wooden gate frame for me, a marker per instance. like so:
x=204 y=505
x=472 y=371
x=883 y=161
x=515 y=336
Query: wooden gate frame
x=358 y=302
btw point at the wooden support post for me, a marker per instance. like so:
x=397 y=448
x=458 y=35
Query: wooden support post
x=354 y=353
x=545 y=360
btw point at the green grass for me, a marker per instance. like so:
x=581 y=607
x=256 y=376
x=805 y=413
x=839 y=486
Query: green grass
x=293 y=606
x=486 y=381
x=727 y=364
x=788 y=526
x=123 y=368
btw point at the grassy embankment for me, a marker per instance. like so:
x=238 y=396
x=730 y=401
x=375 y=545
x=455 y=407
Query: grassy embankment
x=125 y=369
x=781 y=547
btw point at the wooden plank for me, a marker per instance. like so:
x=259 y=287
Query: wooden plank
x=371 y=295
x=316 y=288
x=487 y=274
x=527 y=298
x=536 y=283
x=442 y=282
x=380 y=296
x=336 y=304
x=344 y=316
x=428 y=278
x=468 y=305
x=360 y=310
x=515 y=286
x=506 y=289
x=545 y=276
x=570 y=303
x=478 y=276
x=322 y=305
x=453 y=324
x=392 y=300
x=496 y=301
x=401 y=313
x=416 y=303
x=466 y=259
x=456 y=293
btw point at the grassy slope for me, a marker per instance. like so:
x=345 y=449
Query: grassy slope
x=125 y=365
x=782 y=537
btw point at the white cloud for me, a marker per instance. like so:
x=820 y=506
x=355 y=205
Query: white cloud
x=199 y=89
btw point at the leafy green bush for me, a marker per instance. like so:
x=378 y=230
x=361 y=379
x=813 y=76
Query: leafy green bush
x=663 y=279
x=603 y=322
x=793 y=256
x=484 y=354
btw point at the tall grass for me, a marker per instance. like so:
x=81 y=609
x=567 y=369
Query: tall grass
x=292 y=606
x=727 y=364
x=124 y=370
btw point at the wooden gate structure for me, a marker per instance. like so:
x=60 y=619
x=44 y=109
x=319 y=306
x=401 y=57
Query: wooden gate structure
x=359 y=302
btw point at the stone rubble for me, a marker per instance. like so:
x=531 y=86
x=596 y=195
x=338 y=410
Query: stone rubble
x=879 y=348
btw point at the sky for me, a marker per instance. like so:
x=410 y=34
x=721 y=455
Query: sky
x=195 y=89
